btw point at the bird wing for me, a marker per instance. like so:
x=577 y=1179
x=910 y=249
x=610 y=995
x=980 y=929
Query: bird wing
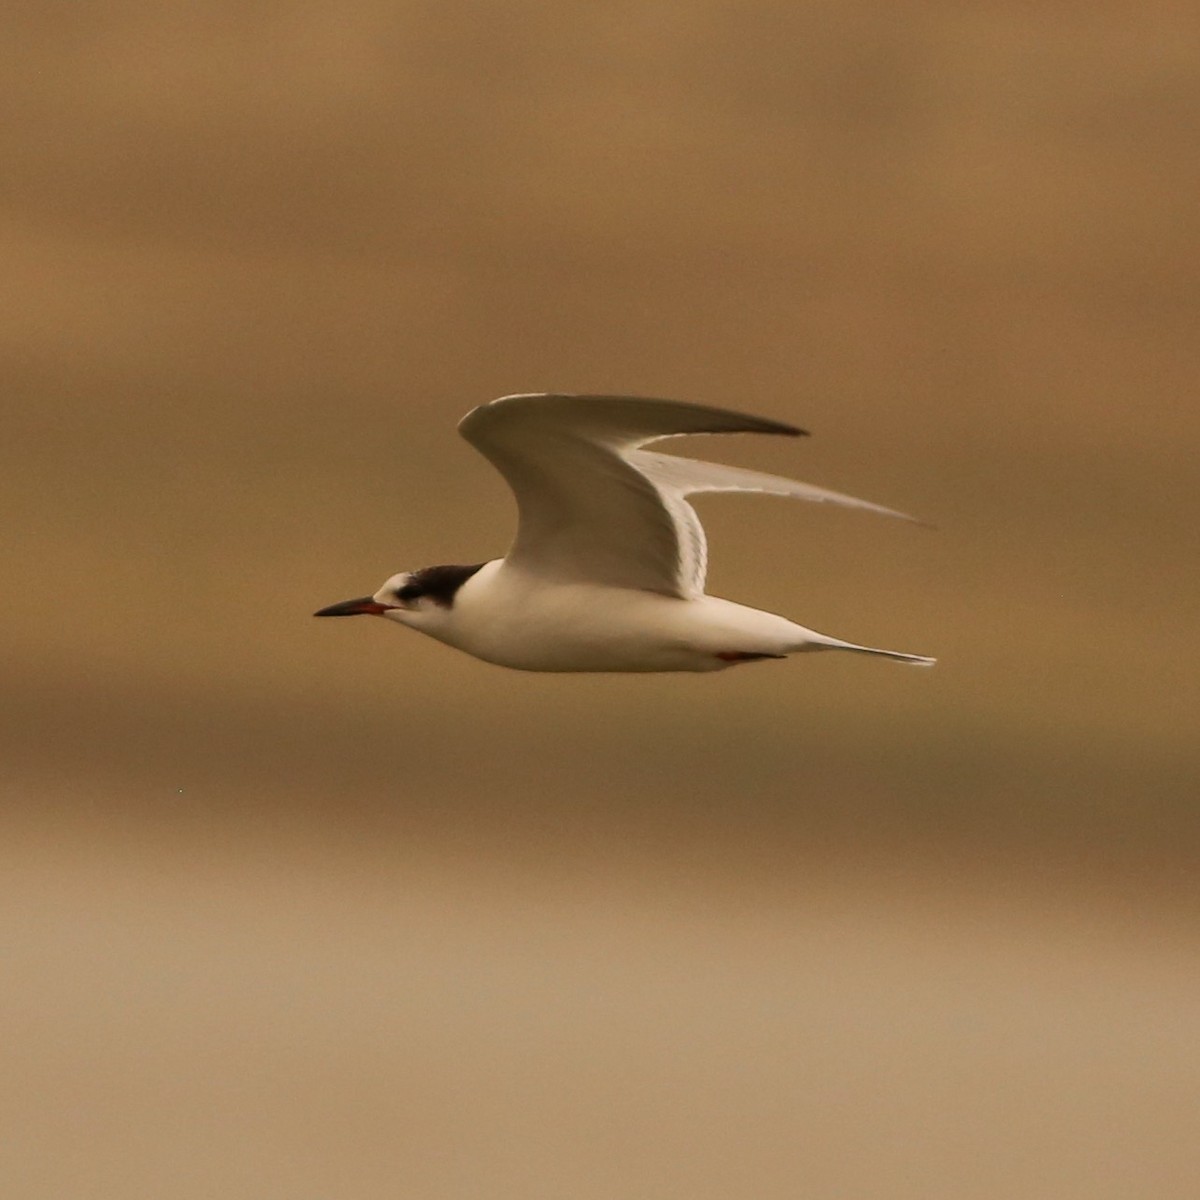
x=677 y=478
x=594 y=507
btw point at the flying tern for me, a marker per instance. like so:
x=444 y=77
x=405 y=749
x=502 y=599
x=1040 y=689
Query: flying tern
x=607 y=569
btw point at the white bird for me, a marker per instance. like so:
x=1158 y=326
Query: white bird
x=607 y=569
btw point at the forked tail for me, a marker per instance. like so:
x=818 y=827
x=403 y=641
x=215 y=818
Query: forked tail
x=818 y=641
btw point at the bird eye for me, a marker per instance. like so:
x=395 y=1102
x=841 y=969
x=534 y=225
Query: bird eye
x=409 y=591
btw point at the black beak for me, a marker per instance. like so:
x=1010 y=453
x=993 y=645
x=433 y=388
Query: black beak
x=353 y=608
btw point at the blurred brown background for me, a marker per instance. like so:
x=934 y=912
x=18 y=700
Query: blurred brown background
x=307 y=910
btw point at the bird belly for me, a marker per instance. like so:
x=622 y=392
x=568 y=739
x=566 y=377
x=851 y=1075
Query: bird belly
x=535 y=626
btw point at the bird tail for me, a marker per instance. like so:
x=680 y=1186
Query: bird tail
x=818 y=641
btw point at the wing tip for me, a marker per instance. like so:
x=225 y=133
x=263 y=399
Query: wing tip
x=883 y=511
x=919 y=522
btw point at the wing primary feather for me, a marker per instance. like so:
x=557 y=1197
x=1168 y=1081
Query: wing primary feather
x=688 y=476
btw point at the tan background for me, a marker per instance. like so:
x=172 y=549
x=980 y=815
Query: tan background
x=306 y=910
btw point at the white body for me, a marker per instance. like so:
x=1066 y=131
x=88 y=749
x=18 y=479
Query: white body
x=607 y=570
x=514 y=620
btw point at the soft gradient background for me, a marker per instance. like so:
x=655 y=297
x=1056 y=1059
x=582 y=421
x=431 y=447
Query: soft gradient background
x=306 y=910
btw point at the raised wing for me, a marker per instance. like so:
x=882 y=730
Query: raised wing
x=593 y=507
x=688 y=477
x=677 y=478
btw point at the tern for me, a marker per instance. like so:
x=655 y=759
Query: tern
x=607 y=569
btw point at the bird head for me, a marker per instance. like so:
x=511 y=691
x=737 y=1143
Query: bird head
x=420 y=599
